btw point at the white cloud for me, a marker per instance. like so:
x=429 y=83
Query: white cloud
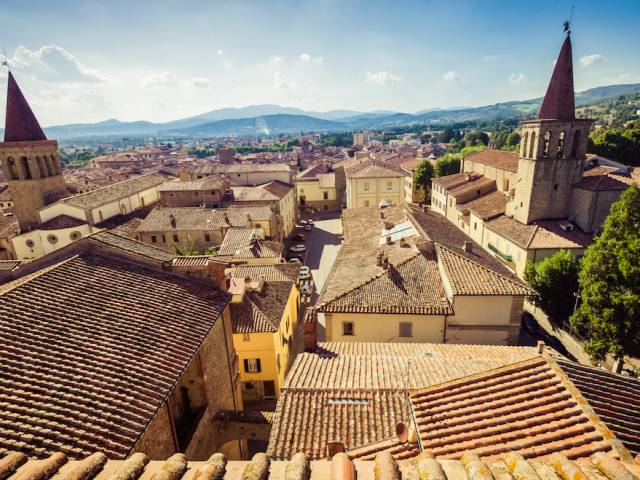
x=276 y=59
x=450 y=76
x=489 y=58
x=164 y=79
x=220 y=52
x=382 y=78
x=281 y=82
x=199 y=82
x=591 y=59
x=306 y=58
x=517 y=78
x=51 y=63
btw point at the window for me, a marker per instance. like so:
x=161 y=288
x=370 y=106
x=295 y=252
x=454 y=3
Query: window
x=12 y=169
x=366 y=185
x=547 y=141
x=252 y=365
x=246 y=337
x=326 y=207
x=153 y=239
x=389 y=185
x=560 y=152
x=25 y=167
x=325 y=195
x=475 y=225
x=175 y=238
x=406 y=329
x=278 y=362
x=555 y=187
x=532 y=144
x=164 y=239
x=576 y=144
x=347 y=329
x=100 y=214
x=207 y=237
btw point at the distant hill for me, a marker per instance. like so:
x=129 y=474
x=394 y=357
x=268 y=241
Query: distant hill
x=258 y=119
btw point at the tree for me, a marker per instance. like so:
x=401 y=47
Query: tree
x=555 y=281
x=448 y=165
x=609 y=315
x=476 y=137
x=618 y=143
x=188 y=251
x=423 y=175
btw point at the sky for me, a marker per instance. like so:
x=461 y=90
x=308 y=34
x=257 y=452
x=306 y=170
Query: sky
x=161 y=60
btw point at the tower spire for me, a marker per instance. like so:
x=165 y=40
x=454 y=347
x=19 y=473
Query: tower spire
x=20 y=123
x=559 y=103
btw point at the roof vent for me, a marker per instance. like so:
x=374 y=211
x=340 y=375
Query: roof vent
x=383 y=204
x=566 y=226
x=467 y=247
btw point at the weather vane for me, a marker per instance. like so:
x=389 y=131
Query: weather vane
x=5 y=60
x=567 y=23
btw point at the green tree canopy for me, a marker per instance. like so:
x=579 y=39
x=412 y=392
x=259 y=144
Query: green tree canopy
x=423 y=175
x=621 y=144
x=609 y=315
x=555 y=281
x=448 y=165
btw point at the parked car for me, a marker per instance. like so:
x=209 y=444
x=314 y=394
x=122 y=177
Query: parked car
x=305 y=272
x=295 y=260
x=307 y=228
x=310 y=222
x=303 y=222
x=297 y=248
x=306 y=289
x=299 y=237
x=530 y=324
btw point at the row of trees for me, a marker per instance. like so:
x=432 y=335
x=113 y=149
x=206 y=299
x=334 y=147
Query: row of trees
x=605 y=284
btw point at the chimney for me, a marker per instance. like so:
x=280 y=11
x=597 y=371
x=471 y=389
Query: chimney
x=379 y=258
x=248 y=221
x=216 y=271
x=309 y=330
x=540 y=347
x=427 y=247
x=617 y=365
x=388 y=240
x=403 y=242
x=467 y=247
x=382 y=215
x=388 y=225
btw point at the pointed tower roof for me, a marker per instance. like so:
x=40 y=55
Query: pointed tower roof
x=558 y=103
x=21 y=124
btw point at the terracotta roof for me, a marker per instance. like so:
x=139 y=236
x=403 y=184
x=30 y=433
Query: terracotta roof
x=190 y=262
x=196 y=218
x=467 y=277
x=313 y=172
x=9 y=226
x=88 y=354
x=239 y=168
x=373 y=169
x=472 y=185
x=261 y=311
x=248 y=243
x=614 y=398
x=272 y=191
x=21 y=124
x=409 y=287
x=519 y=233
x=9 y=265
x=279 y=272
x=60 y=222
x=496 y=158
x=412 y=164
x=208 y=183
x=558 y=102
x=132 y=246
x=138 y=467
x=113 y=192
x=530 y=408
x=327 y=180
x=605 y=178
x=452 y=181
x=356 y=392
x=486 y=206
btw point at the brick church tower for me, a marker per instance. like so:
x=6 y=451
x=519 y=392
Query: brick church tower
x=552 y=150
x=30 y=162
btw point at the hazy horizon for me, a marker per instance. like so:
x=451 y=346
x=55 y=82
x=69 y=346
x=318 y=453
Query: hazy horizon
x=86 y=61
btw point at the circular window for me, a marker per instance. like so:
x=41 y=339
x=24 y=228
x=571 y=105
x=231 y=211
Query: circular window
x=75 y=235
x=30 y=243
x=52 y=238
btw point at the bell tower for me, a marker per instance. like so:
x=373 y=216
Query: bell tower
x=552 y=149
x=30 y=162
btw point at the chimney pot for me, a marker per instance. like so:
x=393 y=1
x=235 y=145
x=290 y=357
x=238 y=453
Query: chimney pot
x=540 y=347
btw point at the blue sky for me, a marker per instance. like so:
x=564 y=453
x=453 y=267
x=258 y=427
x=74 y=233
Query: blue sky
x=85 y=61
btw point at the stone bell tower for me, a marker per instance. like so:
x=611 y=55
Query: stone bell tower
x=552 y=149
x=30 y=162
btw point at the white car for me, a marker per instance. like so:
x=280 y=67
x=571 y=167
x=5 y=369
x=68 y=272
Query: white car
x=303 y=222
x=295 y=260
x=305 y=272
x=307 y=228
x=309 y=222
x=306 y=289
x=298 y=248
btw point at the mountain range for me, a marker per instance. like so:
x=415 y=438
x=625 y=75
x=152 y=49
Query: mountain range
x=275 y=119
